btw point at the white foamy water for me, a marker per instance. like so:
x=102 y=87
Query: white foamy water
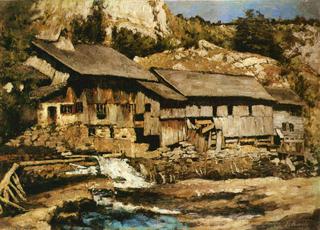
x=124 y=175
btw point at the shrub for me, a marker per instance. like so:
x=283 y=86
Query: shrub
x=255 y=34
x=90 y=30
x=136 y=44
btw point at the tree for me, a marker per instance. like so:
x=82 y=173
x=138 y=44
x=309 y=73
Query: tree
x=255 y=34
x=90 y=30
x=16 y=34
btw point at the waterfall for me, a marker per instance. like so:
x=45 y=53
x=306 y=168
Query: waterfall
x=123 y=175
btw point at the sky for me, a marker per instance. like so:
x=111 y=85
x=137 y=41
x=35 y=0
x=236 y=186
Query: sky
x=227 y=10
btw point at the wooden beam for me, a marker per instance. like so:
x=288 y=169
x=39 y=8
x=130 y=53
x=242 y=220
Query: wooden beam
x=208 y=128
x=47 y=162
x=7 y=202
x=204 y=122
x=6 y=179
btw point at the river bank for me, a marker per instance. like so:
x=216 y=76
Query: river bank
x=42 y=206
x=245 y=187
x=261 y=203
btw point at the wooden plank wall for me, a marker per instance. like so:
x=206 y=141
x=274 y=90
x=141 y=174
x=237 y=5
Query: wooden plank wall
x=241 y=124
x=119 y=106
x=280 y=117
x=173 y=131
x=197 y=139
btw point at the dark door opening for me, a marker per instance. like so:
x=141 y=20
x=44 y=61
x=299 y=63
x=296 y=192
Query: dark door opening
x=52 y=115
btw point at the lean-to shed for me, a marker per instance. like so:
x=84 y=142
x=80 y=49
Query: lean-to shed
x=288 y=121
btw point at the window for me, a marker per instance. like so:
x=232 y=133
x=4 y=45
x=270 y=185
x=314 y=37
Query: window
x=229 y=109
x=291 y=127
x=91 y=131
x=284 y=126
x=101 y=111
x=147 y=107
x=66 y=109
x=250 y=110
x=79 y=107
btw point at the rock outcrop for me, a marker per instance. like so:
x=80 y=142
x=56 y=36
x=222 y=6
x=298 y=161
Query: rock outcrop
x=211 y=58
x=306 y=46
x=145 y=16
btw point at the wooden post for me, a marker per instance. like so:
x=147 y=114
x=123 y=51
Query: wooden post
x=209 y=139
x=219 y=140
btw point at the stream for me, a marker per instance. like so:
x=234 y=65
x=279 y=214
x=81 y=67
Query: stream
x=111 y=213
x=254 y=203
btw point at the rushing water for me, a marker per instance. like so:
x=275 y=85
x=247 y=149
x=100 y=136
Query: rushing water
x=113 y=214
x=124 y=175
x=109 y=218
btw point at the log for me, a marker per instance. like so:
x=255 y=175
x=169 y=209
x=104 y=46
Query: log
x=7 y=202
x=18 y=192
x=16 y=180
x=6 y=179
x=12 y=196
x=47 y=162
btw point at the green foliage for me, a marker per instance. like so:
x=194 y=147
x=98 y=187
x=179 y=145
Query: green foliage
x=132 y=44
x=15 y=39
x=256 y=34
x=17 y=33
x=90 y=30
x=305 y=90
x=135 y=44
x=190 y=31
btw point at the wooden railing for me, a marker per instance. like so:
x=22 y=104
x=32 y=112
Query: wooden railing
x=11 y=191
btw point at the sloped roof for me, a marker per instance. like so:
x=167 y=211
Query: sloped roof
x=96 y=60
x=197 y=84
x=163 y=91
x=284 y=96
x=46 y=91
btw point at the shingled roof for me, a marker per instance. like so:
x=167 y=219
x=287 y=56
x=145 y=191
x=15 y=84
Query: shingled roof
x=197 y=84
x=96 y=60
x=163 y=91
x=46 y=91
x=284 y=96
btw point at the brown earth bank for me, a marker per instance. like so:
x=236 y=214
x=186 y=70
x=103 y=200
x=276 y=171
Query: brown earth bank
x=43 y=205
x=164 y=166
x=261 y=203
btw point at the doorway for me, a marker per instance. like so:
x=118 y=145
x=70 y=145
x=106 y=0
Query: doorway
x=52 y=115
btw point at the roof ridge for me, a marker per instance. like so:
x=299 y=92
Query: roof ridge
x=204 y=72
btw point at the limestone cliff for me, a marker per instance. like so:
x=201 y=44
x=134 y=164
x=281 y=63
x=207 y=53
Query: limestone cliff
x=145 y=16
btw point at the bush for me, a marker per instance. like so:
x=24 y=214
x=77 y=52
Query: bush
x=136 y=44
x=15 y=40
x=256 y=34
x=90 y=30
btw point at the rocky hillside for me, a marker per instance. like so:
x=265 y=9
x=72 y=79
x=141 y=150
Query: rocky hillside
x=148 y=16
x=208 y=57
